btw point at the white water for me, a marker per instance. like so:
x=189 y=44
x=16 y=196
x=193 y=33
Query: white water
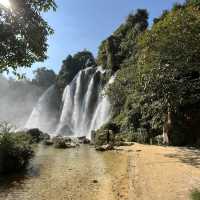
x=42 y=116
x=103 y=110
x=85 y=107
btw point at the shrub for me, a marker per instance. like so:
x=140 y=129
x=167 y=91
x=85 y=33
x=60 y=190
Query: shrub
x=15 y=152
x=195 y=195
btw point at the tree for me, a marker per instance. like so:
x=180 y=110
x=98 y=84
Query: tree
x=193 y=2
x=169 y=67
x=44 y=77
x=72 y=65
x=23 y=33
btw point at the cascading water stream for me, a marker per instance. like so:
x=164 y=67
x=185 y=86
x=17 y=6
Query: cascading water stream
x=85 y=107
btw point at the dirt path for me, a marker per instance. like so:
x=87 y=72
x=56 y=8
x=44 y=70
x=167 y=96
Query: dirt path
x=162 y=173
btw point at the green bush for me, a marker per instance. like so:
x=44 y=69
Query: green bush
x=15 y=152
x=195 y=195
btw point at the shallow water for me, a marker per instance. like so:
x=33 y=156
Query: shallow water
x=71 y=174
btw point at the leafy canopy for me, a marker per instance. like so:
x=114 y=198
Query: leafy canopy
x=23 y=33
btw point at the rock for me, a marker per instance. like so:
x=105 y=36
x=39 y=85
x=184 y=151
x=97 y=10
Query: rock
x=37 y=135
x=59 y=142
x=86 y=141
x=122 y=143
x=70 y=145
x=95 y=181
x=63 y=142
x=48 y=142
x=46 y=136
x=83 y=140
x=67 y=139
x=102 y=137
x=106 y=147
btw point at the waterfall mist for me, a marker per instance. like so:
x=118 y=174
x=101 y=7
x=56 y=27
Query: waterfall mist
x=45 y=114
x=17 y=99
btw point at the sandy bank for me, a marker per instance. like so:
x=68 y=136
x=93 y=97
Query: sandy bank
x=166 y=173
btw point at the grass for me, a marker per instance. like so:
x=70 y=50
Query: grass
x=195 y=195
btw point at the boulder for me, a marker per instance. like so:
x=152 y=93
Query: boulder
x=63 y=142
x=83 y=140
x=70 y=145
x=37 y=135
x=102 y=137
x=59 y=142
x=106 y=147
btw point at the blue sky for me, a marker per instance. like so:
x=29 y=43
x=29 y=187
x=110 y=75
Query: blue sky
x=83 y=24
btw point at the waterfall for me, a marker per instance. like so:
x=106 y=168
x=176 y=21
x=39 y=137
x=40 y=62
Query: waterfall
x=85 y=107
x=103 y=110
x=44 y=115
x=81 y=101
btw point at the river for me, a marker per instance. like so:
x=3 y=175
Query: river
x=71 y=174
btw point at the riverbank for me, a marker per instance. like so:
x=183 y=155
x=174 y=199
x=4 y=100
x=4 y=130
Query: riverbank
x=138 y=172
x=167 y=173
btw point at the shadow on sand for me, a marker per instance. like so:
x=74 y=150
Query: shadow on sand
x=187 y=155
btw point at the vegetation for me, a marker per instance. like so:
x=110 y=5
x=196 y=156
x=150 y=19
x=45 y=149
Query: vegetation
x=72 y=65
x=122 y=46
x=44 y=77
x=15 y=152
x=156 y=90
x=195 y=195
x=23 y=35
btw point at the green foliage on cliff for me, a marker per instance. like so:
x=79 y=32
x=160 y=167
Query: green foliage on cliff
x=157 y=85
x=23 y=33
x=121 y=46
x=72 y=65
